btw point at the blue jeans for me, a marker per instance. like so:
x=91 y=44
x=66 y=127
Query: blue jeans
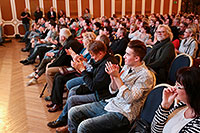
x=1 y=40
x=74 y=82
x=92 y=118
x=74 y=100
x=26 y=27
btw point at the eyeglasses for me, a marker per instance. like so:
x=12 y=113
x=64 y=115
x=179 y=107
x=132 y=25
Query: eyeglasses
x=178 y=86
x=160 y=32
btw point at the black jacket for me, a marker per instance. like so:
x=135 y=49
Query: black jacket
x=118 y=46
x=159 y=58
x=49 y=15
x=98 y=80
x=62 y=58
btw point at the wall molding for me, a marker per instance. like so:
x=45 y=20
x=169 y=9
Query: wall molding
x=123 y=7
x=143 y=7
x=91 y=7
x=161 y=6
x=79 y=8
x=102 y=8
x=67 y=8
x=133 y=7
x=152 y=6
x=113 y=7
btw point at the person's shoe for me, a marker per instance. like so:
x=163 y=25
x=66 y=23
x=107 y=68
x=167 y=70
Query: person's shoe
x=47 y=98
x=21 y=40
x=23 y=61
x=24 y=50
x=32 y=81
x=29 y=62
x=55 y=124
x=56 y=108
x=63 y=129
x=50 y=105
x=32 y=75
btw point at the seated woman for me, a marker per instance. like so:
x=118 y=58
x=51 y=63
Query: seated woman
x=185 y=116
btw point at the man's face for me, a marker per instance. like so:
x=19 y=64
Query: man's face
x=162 y=34
x=182 y=27
x=130 y=57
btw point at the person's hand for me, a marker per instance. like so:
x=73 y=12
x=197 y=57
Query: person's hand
x=169 y=95
x=78 y=65
x=50 y=54
x=112 y=69
x=70 y=52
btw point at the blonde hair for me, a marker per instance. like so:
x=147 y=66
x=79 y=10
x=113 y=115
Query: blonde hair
x=89 y=37
x=168 y=30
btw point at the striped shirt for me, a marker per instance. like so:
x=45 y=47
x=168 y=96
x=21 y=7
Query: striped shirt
x=131 y=96
x=161 y=117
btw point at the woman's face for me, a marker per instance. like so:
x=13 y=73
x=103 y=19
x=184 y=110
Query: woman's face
x=182 y=96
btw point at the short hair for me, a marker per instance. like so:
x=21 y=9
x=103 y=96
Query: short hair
x=138 y=47
x=168 y=30
x=97 y=46
x=52 y=23
x=123 y=30
x=189 y=78
x=147 y=28
x=98 y=25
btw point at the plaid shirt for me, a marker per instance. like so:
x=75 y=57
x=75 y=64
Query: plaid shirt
x=131 y=96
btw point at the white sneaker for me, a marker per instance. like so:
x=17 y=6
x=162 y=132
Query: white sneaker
x=32 y=75
x=32 y=81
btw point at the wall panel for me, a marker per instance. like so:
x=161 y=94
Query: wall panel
x=61 y=5
x=33 y=5
x=175 y=6
x=138 y=6
x=147 y=7
x=6 y=10
x=21 y=29
x=157 y=6
x=166 y=7
x=8 y=30
x=107 y=8
x=96 y=8
x=118 y=8
x=73 y=8
x=128 y=7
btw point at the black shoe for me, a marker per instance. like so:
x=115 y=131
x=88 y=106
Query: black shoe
x=24 y=50
x=23 y=61
x=21 y=41
x=29 y=62
x=55 y=124
x=55 y=108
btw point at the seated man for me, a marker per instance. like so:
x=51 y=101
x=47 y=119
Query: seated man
x=131 y=85
x=119 y=45
x=159 y=58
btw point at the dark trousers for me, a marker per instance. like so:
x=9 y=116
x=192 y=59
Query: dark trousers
x=58 y=86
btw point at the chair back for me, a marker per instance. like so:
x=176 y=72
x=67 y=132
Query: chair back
x=152 y=102
x=181 y=60
x=119 y=58
x=149 y=47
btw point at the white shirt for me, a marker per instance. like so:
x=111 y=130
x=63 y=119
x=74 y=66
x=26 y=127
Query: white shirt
x=177 y=122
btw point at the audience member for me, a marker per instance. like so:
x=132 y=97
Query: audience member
x=38 y=14
x=159 y=58
x=51 y=14
x=184 y=116
x=25 y=16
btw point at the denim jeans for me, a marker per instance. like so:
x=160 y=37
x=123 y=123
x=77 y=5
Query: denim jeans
x=26 y=27
x=1 y=40
x=74 y=100
x=92 y=118
x=74 y=82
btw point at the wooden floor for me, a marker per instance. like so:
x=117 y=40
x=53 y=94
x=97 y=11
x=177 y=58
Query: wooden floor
x=21 y=109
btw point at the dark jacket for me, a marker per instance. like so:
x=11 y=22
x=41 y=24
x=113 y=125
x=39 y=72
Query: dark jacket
x=62 y=58
x=159 y=58
x=118 y=46
x=49 y=15
x=98 y=80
